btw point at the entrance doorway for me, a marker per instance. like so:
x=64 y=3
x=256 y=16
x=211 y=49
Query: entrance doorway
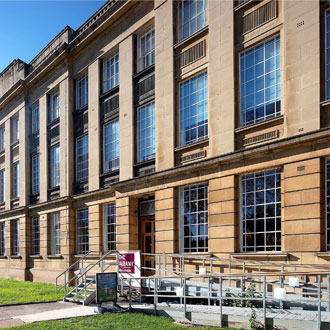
x=147 y=236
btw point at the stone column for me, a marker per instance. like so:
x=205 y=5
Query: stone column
x=126 y=109
x=43 y=148
x=164 y=87
x=8 y=164
x=94 y=153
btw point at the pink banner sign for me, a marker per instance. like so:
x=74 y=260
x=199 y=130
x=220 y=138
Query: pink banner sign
x=126 y=263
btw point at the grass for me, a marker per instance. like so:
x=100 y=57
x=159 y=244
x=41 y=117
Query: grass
x=13 y=292
x=115 y=321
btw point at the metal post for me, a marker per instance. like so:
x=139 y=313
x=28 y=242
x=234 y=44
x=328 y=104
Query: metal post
x=281 y=285
x=65 y=284
x=328 y=293
x=85 y=286
x=184 y=298
x=159 y=265
x=264 y=300
x=319 y=302
x=243 y=267
x=183 y=270
x=259 y=269
x=209 y=291
x=242 y=289
x=130 y=293
x=164 y=263
x=229 y=270
x=220 y=300
x=211 y=266
x=156 y=295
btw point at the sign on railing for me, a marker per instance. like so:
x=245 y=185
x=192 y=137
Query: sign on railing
x=129 y=267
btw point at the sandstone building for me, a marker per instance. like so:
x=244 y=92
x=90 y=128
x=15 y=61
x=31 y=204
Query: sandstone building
x=189 y=126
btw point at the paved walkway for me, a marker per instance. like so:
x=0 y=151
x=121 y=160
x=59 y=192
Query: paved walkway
x=21 y=314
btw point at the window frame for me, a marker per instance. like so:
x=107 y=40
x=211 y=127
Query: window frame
x=2 y=238
x=35 y=175
x=276 y=113
x=81 y=90
x=53 y=111
x=36 y=236
x=109 y=245
x=84 y=178
x=141 y=64
x=182 y=236
x=16 y=185
x=15 y=129
x=180 y=12
x=84 y=242
x=15 y=247
x=243 y=248
x=151 y=156
x=54 y=166
x=2 y=185
x=205 y=101
x=116 y=159
x=2 y=138
x=106 y=67
x=35 y=119
x=55 y=233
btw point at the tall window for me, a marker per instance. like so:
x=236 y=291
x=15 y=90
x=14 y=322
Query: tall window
x=193 y=109
x=328 y=201
x=2 y=239
x=2 y=186
x=82 y=158
x=194 y=218
x=35 y=236
x=111 y=146
x=15 y=129
x=260 y=82
x=146 y=49
x=35 y=119
x=55 y=233
x=35 y=174
x=261 y=211
x=82 y=231
x=16 y=180
x=192 y=17
x=110 y=227
x=2 y=139
x=82 y=91
x=54 y=106
x=54 y=166
x=15 y=237
x=146 y=132
x=111 y=72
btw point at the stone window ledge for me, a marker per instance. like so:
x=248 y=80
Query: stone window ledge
x=55 y=256
x=15 y=257
x=3 y=257
x=323 y=254
x=276 y=120
x=35 y=256
x=261 y=255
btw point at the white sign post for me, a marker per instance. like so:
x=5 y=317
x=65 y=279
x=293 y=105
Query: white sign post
x=129 y=267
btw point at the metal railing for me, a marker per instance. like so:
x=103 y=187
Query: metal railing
x=315 y=293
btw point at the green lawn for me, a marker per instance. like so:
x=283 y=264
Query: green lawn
x=12 y=292
x=122 y=321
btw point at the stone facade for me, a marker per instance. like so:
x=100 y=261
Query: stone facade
x=295 y=141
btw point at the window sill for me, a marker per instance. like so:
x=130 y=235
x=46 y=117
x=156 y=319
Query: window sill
x=110 y=92
x=54 y=122
x=186 y=40
x=14 y=144
x=3 y=257
x=15 y=257
x=2 y=152
x=257 y=255
x=90 y=256
x=325 y=254
x=35 y=256
x=260 y=124
x=145 y=71
x=54 y=256
x=325 y=103
x=242 y=5
x=83 y=108
x=192 y=145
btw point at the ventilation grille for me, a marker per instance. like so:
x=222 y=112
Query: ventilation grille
x=196 y=155
x=262 y=15
x=146 y=171
x=110 y=106
x=146 y=85
x=193 y=54
x=80 y=122
x=261 y=138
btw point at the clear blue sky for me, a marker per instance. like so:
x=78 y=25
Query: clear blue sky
x=26 y=27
